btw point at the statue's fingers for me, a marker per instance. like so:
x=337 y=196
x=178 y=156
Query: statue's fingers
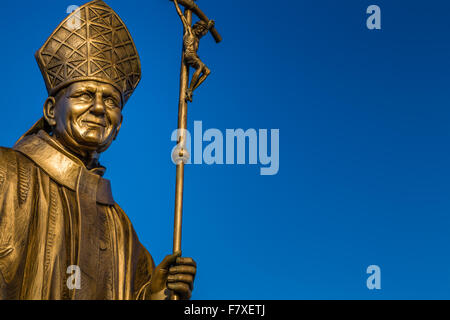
x=186 y=261
x=186 y=278
x=169 y=260
x=183 y=269
x=180 y=288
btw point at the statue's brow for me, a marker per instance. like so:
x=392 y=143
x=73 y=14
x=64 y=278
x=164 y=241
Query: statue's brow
x=91 y=89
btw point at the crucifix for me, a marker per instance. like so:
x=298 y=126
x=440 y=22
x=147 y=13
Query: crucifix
x=190 y=59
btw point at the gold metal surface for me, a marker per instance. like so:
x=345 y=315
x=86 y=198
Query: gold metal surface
x=182 y=126
x=100 y=48
x=192 y=6
x=62 y=236
x=189 y=58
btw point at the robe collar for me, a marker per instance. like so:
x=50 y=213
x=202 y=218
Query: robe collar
x=62 y=166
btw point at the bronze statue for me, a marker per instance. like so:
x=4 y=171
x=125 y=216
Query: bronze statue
x=191 y=42
x=56 y=209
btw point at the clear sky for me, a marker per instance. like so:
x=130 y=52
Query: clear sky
x=364 y=131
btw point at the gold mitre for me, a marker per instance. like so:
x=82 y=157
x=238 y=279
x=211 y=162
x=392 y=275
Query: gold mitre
x=92 y=43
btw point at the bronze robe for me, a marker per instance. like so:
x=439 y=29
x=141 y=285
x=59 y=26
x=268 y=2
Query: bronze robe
x=54 y=213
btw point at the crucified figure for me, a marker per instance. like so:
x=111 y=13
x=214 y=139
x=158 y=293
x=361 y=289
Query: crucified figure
x=191 y=41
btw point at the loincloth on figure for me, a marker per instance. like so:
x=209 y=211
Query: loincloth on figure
x=193 y=60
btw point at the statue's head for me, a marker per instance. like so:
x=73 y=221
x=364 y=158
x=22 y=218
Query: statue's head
x=91 y=68
x=200 y=28
x=85 y=116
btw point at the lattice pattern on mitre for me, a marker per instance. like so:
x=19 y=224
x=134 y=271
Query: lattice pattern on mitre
x=91 y=43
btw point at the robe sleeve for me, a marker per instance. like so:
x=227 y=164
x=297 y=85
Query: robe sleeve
x=142 y=261
x=7 y=217
x=4 y=250
x=13 y=220
x=145 y=268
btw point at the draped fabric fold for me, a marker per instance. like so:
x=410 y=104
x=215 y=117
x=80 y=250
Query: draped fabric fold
x=55 y=213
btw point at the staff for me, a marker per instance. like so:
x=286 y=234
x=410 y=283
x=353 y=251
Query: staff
x=189 y=59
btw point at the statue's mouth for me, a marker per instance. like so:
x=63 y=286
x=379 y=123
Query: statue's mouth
x=95 y=123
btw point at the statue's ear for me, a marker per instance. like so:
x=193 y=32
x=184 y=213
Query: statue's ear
x=49 y=111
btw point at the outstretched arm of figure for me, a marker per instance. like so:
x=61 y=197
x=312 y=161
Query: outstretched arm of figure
x=211 y=24
x=183 y=19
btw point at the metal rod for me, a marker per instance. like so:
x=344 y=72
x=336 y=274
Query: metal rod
x=182 y=126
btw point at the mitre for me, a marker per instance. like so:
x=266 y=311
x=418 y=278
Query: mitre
x=92 y=43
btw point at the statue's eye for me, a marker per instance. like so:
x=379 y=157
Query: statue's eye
x=111 y=102
x=85 y=97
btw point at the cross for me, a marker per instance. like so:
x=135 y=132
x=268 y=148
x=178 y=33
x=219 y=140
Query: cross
x=191 y=39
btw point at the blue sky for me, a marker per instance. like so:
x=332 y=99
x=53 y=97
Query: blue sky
x=364 y=130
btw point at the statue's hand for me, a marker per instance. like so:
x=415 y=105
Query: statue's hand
x=175 y=275
x=211 y=24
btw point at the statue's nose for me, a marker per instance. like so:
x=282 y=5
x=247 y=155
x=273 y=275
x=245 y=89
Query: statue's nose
x=99 y=107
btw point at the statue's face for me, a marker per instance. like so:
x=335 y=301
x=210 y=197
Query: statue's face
x=201 y=31
x=87 y=116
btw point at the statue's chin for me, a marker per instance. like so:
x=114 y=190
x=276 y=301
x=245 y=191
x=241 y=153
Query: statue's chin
x=93 y=140
x=96 y=145
x=82 y=142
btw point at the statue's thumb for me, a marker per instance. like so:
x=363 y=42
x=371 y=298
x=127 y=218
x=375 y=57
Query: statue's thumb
x=170 y=260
